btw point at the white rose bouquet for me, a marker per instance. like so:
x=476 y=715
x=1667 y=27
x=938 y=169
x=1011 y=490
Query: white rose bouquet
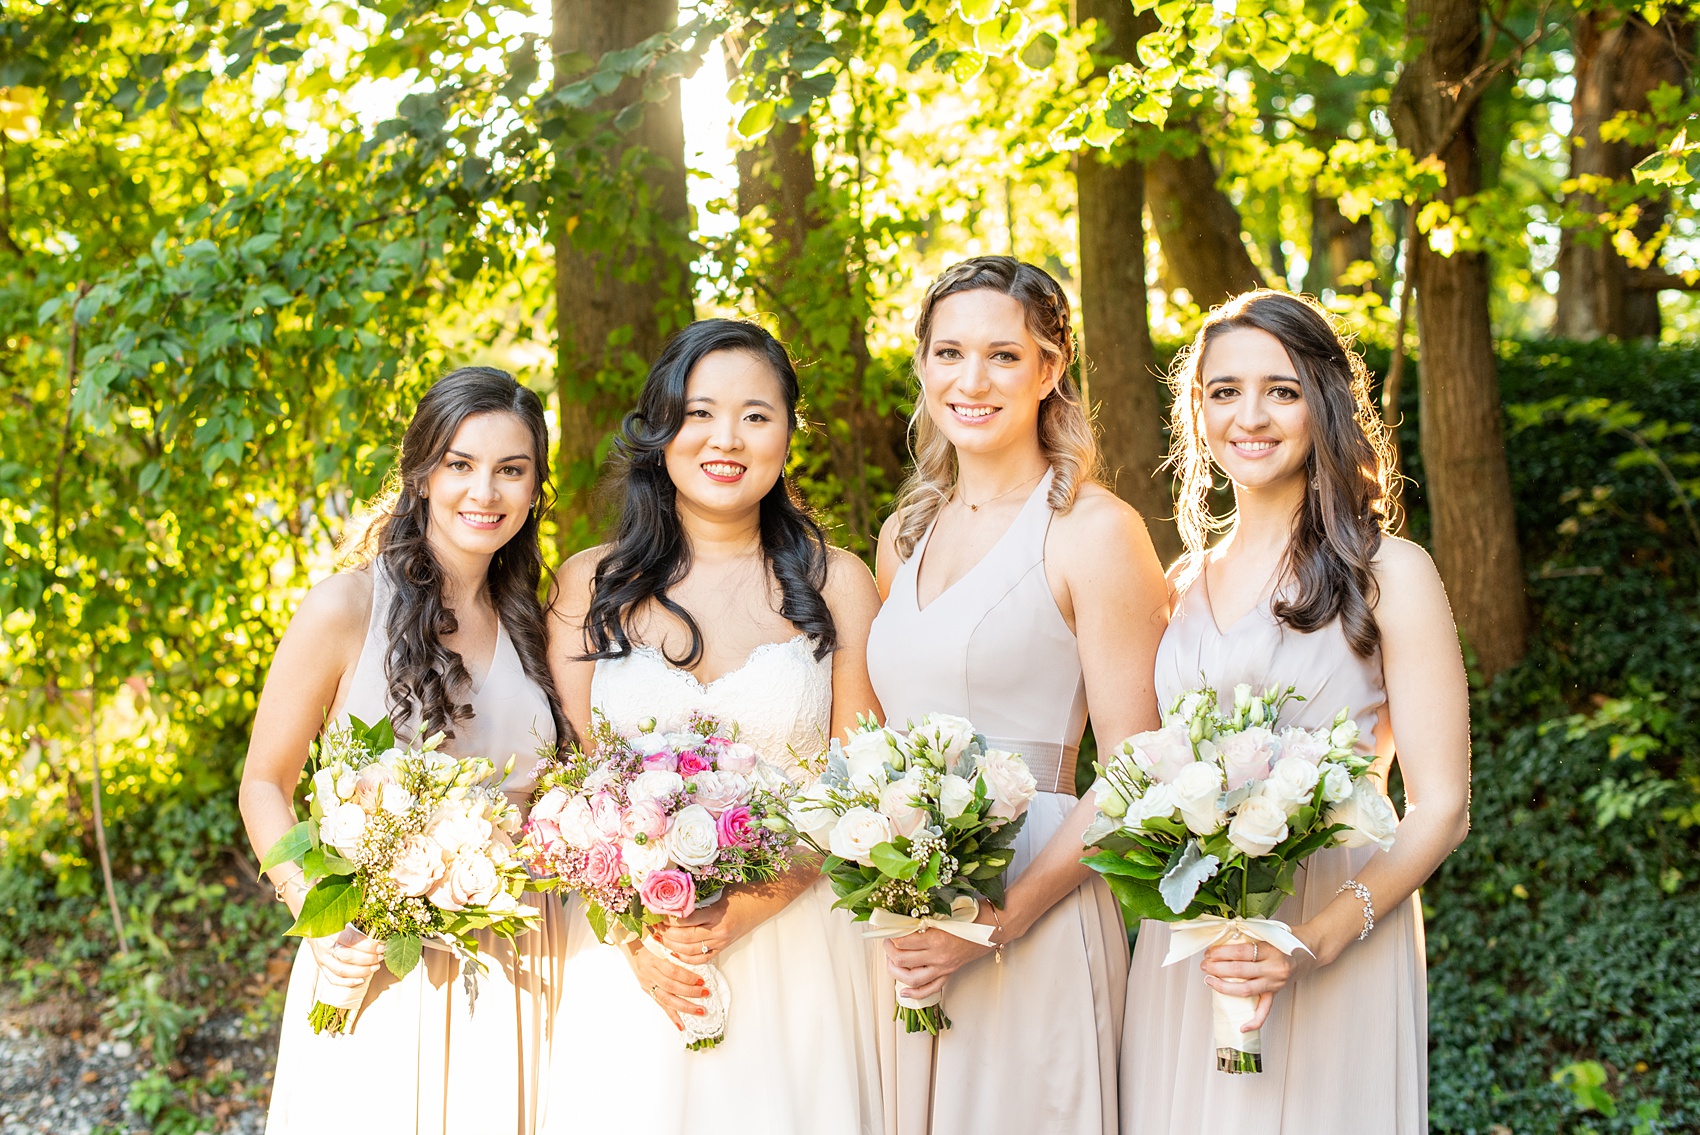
x=916 y=829
x=403 y=844
x=1205 y=821
x=653 y=825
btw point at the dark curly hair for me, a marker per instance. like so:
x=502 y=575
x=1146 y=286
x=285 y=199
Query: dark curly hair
x=423 y=674
x=650 y=551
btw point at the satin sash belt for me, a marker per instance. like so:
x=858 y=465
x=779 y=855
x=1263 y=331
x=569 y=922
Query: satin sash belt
x=1051 y=764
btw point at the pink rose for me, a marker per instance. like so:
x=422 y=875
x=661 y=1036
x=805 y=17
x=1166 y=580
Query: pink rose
x=369 y=786
x=645 y=816
x=692 y=763
x=1246 y=756
x=544 y=834
x=602 y=866
x=718 y=791
x=662 y=760
x=670 y=892
x=1163 y=753
x=734 y=827
x=737 y=757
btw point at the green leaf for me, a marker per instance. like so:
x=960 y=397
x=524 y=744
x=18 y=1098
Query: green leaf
x=893 y=862
x=978 y=11
x=292 y=845
x=757 y=120
x=258 y=243
x=402 y=954
x=329 y=907
x=1111 y=863
x=1139 y=900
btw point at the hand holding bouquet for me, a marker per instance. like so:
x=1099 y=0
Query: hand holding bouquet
x=403 y=844
x=916 y=829
x=651 y=826
x=1207 y=819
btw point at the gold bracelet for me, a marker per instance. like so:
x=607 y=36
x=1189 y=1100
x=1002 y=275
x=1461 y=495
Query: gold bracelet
x=280 y=890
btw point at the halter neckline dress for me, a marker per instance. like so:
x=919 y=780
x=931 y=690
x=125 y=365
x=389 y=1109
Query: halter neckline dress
x=420 y=1059
x=1033 y=1042
x=1345 y=1049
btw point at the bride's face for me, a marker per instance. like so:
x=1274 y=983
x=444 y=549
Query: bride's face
x=732 y=445
x=984 y=375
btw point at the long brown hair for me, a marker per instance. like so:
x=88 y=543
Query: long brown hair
x=1065 y=428
x=1351 y=493
x=422 y=674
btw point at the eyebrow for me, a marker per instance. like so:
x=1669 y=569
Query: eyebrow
x=998 y=343
x=499 y=460
x=748 y=401
x=1237 y=378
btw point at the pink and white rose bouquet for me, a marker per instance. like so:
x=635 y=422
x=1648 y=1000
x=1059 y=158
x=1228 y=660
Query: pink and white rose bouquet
x=916 y=828
x=1205 y=821
x=649 y=826
x=403 y=844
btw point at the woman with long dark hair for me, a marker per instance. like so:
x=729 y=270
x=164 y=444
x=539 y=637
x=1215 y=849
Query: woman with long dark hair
x=435 y=624
x=1308 y=588
x=718 y=594
x=1020 y=593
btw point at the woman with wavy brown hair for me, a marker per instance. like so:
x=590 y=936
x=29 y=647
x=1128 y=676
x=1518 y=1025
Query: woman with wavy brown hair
x=1019 y=593
x=1308 y=588
x=435 y=624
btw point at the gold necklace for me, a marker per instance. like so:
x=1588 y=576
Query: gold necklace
x=956 y=492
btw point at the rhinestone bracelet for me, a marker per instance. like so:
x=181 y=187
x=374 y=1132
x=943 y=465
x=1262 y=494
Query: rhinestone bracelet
x=1362 y=892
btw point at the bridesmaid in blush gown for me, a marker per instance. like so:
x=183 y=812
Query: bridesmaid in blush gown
x=438 y=628
x=1019 y=593
x=1307 y=589
x=718 y=594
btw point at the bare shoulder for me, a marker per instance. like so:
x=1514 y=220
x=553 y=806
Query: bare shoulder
x=1098 y=524
x=573 y=581
x=341 y=603
x=849 y=583
x=1408 y=583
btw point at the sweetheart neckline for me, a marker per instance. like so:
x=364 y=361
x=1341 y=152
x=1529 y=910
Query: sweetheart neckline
x=749 y=660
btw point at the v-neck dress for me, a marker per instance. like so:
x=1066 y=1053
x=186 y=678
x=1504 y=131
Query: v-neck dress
x=1033 y=1041
x=420 y=1060
x=1345 y=1049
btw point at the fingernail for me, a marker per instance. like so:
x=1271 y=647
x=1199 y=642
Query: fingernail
x=702 y=1012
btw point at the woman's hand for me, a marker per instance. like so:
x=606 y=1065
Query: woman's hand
x=1258 y=970
x=676 y=989
x=700 y=936
x=921 y=962
x=346 y=965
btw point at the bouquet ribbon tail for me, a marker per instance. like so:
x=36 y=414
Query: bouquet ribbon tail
x=1199 y=934
x=959 y=922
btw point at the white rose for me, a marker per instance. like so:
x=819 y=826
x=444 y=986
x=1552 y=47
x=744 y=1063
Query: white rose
x=1292 y=782
x=718 y=791
x=642 y=858
x=598 y=779
x=342 y=827
x=683 y=742
x=648 y=744
x=1198 y=794
x=765 y=778
x=418 y=865
x=857 y=833
x=955 y=794
x=897 y=803
x=1008 y=782
x=737 y=758
x=1345 y=735
x=1258 y=826
x=867 y=754
x=395 y=800
x=1336 y=782
x=653 y=785
x=1368 y=815
x=812 y=813
x=577 y=824
x=471 y=880
x=1304 y=744
x=692 y=841
x=1110 y=802
x=943 y=735
x=333 y=784
x=1155 y=803
x=457 y=829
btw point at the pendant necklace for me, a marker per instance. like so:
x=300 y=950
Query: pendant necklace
x=1000 y=496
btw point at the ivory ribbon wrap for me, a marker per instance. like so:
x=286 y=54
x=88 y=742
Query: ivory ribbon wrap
x=959 y=922
x=344 y=997
x=1228 y=1013
x=712 y=1024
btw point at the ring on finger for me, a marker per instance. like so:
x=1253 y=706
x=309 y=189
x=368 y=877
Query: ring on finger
x=1254 y=949
x=704 y=948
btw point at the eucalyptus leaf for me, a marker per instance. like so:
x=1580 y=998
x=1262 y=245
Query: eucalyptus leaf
x=1181 y=881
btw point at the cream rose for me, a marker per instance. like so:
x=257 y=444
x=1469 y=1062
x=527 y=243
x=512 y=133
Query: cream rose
x=1158 y=801
x=1336 y=782
x=418 y=865
x=1258 y=826
x=471 y=880
x=1305 y=745
x=857 y=833
x=1246 y=755
x=693 y=840
x=943 y=735
x=1292 y=782
x=718 y=791
x=867 y=754
x=1198 y=794
x=642 y=858
x=897 y=803
x=1008 y=782
x=1368 y=815
x=455 y=828
x=654 y=784
x=395 y=799
x=369 y=785
x=737 y=758
x=1161 y=753
x=577 y=825
x=811 y=813
x=342 y=826
x=955 y=795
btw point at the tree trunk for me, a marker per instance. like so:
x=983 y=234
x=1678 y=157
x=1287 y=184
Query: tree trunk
x=1463 y=448
x=1336 y=243
x=1617 y=66
x=1198 y=226
x=613 y=310
x=1118 y=362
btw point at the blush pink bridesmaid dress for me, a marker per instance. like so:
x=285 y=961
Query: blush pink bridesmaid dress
x=1033 y=1041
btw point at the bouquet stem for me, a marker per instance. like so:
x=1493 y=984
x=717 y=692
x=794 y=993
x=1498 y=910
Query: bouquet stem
x=709 y=1029
x=335 y=1006
x=1236 y=1051
x=928 y=1020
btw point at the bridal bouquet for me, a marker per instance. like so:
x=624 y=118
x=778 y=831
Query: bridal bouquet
x=1207 y=819
x=653 y=825
x=916 y=829
x=402 y=844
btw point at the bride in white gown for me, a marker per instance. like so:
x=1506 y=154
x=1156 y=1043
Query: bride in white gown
x=719 y=595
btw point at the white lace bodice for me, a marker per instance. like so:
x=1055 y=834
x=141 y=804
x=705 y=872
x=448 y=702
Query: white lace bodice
x=780 y=698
